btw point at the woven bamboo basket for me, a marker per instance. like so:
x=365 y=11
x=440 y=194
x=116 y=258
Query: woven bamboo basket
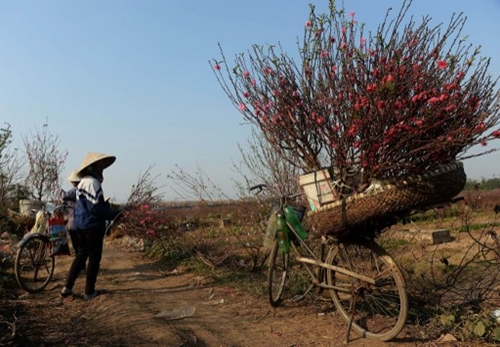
x=383 y=200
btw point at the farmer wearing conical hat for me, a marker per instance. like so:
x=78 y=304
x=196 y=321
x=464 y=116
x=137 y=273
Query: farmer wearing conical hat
x=91 y=214
x=69 y=199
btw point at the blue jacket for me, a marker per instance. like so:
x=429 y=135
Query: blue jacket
x=91 y=212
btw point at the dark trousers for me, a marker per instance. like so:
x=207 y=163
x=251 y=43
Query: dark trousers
x=90 y=245
x=73 y=234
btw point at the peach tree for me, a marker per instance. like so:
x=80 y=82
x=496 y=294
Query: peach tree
x=387 y=103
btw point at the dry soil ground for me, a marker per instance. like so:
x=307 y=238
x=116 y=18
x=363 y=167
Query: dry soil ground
x=143 y=301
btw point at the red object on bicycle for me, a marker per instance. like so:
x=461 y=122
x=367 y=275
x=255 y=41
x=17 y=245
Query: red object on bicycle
x=58 y=235
x=57 y=227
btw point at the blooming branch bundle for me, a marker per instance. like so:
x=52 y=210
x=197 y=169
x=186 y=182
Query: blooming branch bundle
x=141 y=218
x=385 y=104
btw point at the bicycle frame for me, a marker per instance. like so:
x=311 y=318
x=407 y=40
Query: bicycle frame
x=319 y=262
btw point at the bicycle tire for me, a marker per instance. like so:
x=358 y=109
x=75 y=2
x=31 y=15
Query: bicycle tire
x=34 y=265
x=379 y=310
x=276 y=276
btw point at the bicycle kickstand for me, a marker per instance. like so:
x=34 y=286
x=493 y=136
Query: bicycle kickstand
x=349 y=326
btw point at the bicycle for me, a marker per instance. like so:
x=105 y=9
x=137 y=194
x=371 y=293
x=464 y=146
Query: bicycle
x=364 y=282
x=35 y=258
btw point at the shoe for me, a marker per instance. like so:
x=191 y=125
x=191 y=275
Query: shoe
x=93 y=295
x=65 y=292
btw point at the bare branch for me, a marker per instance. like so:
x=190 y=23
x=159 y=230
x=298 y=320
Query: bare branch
x=46 y=163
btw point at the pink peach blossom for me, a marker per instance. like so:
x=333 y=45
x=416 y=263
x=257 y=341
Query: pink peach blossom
x=442 y=64
x=433 y=100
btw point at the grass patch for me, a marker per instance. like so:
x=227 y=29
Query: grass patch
x=476 y=226
x=254 y=284
x=393 y=244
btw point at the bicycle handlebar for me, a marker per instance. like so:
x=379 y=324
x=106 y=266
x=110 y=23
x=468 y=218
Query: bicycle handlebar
x=260 y=187
x=113 y=221
x=282 y=199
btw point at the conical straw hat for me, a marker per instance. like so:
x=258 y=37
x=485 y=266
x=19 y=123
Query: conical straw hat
x=73 y=177
x=95 y=161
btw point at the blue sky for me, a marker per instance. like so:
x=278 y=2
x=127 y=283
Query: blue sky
x=133 y=79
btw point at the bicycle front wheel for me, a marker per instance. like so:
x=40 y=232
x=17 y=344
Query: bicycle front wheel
x=34 y=264
x=276 y=276
x=377 y=311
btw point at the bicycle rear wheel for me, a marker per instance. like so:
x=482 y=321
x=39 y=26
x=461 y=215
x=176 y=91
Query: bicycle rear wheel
x=276 y=276
x=377 y=311
x=34 y=264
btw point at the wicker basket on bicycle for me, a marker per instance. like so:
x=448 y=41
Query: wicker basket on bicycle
x=380 y=203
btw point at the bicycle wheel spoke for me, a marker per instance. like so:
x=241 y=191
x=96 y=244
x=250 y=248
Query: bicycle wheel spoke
x=34 y=266
x=383 y=305
x=379 y=310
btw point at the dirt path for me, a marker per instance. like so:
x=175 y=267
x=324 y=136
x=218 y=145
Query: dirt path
x=138 y=292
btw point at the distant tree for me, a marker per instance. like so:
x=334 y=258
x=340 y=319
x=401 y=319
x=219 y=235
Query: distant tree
x=483 y=184
x=10 y=168
x=46 y=162
x=491 y=183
